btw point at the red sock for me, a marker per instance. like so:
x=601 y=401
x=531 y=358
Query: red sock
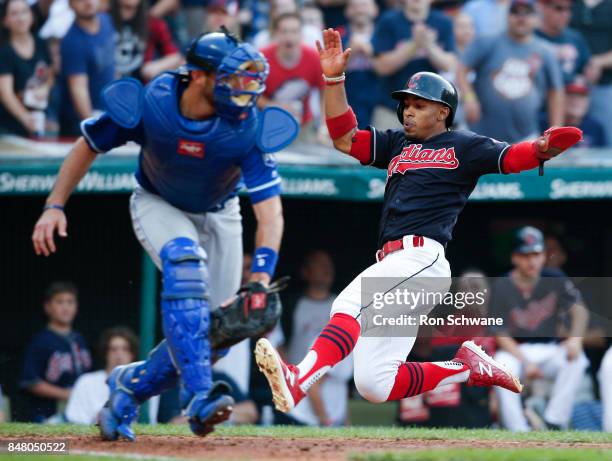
x=414 y=378
x=333 y=344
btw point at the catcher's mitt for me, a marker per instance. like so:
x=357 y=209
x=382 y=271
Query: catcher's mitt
x=252 y=312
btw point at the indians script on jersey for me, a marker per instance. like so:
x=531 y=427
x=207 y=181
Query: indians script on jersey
x=413 y=158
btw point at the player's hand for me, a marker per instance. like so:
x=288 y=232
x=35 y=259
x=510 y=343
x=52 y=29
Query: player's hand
x=573 y=346
x=333 y=59
x=44 y=230
x=532 y=371
x=556 y=140
x=472 y=110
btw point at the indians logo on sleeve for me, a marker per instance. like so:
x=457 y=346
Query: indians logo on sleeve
x=190 y=148
x=413 y=158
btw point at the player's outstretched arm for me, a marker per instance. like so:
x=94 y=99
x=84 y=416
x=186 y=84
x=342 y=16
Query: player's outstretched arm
x=527 y=155
x=341 y=121
x=76 y=164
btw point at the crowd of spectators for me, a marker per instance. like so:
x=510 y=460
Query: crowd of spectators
x=520 y=65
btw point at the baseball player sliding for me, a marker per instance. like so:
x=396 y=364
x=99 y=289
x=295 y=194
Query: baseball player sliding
x=431 y=171
x=200 y=134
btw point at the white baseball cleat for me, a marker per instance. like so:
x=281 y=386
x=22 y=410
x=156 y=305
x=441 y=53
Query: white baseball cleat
x=282 y=377
x=484 y=369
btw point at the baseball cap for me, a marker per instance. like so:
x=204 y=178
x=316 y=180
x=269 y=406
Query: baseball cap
x=528 y=240
x=516 y=4
x=577 y=86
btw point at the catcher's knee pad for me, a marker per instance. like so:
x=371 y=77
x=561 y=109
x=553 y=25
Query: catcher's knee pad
x=185 y=311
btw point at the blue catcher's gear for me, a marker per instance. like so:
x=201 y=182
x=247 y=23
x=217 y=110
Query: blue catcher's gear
x=192 y=164
x=123 y=101
x=277 y=129
x=206 y=409
x=185 y=314
x=240 y=71
x=132 y=384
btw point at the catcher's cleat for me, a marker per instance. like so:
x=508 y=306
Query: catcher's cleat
x=283 y=378
x=206 y=410
x=121 y=408
x=484 y=370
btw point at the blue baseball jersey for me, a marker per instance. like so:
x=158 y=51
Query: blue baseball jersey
x=54 y=358
x=195 y=165
x=429 y=182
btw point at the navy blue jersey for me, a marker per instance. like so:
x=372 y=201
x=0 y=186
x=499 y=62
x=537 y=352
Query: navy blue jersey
x=54 y=358
x=429 y=182
x=536 y=317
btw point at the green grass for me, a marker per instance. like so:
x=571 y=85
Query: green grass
x=477 y=454
x=361 y=432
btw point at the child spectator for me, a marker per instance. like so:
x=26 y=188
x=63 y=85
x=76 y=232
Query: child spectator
x=25 y=72
x=88 y=63
x=362 y=83
x=56 y=356
x=143 y=43
x=118 y=346
x=407 y=41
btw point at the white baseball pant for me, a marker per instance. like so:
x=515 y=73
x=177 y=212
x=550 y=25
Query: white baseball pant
x=605 y=388
x=552 y=359
x=376 y=359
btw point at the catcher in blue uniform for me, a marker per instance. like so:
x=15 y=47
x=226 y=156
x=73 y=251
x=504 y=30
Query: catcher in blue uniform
x=201 y=138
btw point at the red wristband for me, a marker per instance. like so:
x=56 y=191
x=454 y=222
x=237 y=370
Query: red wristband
x=342 y=124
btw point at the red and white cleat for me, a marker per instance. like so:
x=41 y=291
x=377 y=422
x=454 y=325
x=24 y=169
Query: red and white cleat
x=484 y=370
x=282 y=377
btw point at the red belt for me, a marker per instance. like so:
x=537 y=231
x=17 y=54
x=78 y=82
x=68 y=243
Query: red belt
x=397 y=245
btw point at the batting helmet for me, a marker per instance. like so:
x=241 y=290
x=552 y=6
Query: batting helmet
x=528 y=240
x=432 y=87
x=240 y=70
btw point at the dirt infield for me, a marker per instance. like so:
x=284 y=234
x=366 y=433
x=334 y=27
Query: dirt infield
x=286 y=449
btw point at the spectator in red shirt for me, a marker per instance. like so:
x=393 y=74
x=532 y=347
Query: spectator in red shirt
x=143 y=44
x=295 y=72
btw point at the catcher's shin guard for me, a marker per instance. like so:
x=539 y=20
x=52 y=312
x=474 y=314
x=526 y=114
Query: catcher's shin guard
x=186 y=319
x=132 y=384
x=185 y=313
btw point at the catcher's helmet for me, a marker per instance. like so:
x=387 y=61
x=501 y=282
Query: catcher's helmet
x=528 y=240
x=240 y=71
x=432 y=87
